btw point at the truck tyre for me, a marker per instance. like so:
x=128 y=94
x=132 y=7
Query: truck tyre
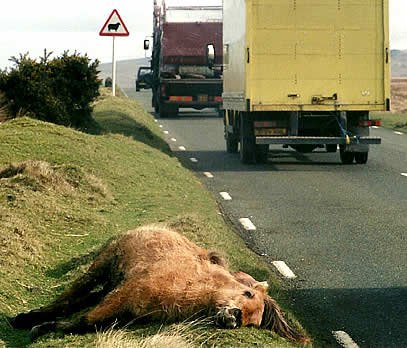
x=361 y=157
x=247 y=141
x=162 y=110
x=262 y=153
x=346 y=157
x=331 y=148
x=232 y=143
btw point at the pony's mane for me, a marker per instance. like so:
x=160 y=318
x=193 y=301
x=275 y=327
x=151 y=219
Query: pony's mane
x=273 y=320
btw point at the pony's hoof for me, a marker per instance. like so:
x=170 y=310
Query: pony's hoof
x=35 y=333
x=12 y=321
x=42 y=329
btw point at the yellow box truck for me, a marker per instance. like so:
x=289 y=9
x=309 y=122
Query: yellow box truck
x=304 y=74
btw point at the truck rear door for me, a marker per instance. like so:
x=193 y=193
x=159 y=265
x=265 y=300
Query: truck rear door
x=318 y=54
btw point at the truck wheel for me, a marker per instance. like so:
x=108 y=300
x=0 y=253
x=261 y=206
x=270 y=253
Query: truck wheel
x=361 y=157
x=232 y=143
x=346 y=157
x=331 y=148
x=219 y=112
x=262 y=153
x=247 y=141
x=162 y=111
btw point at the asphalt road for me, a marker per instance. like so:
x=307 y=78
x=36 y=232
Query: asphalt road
x=341 y=229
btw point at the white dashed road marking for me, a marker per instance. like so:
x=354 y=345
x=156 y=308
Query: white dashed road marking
x=375 y=127
x=161 y=126
x=226 y=196
x=182 y=148
x=173 y=139
x=404 y=174
x=398 y=133
x=344 y=339
x=208 y=175
x=247 y=224
x=166 y=132
x=284 y=269
x=193 y=159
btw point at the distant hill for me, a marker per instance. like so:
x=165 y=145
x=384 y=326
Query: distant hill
x=126 y=71
x=399 y=63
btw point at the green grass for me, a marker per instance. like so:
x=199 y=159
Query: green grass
x=395 y=121
x=68 y=192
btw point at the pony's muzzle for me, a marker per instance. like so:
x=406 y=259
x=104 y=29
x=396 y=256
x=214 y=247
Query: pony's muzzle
x=229 y=318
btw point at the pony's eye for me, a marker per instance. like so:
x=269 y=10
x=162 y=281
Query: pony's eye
x=248 y=294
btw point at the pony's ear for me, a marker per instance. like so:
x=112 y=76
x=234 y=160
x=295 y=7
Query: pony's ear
x=216 y=258
x=261 y=286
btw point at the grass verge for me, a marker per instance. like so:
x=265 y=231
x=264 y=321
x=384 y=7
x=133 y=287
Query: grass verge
x=395 y=121
x=64 y=193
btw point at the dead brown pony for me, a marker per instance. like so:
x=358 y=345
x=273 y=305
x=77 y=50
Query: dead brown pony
x=155 y=273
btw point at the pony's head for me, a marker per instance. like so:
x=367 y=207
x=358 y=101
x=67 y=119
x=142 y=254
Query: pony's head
x=241 y=305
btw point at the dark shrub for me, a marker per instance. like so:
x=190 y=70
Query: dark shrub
x=60 y=90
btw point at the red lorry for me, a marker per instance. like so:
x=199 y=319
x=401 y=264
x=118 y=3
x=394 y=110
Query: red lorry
x=183 y=76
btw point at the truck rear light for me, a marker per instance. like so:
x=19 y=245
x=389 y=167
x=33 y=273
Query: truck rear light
x=163 y=90
x=268 y=124
x=218 y=99
x=370 y=123
x=181 y=98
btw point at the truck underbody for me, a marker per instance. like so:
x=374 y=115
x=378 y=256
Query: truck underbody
x=303 y=131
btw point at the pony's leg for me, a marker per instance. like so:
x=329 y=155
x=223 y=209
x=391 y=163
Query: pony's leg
x=76 y=298
x=52 y=311
x=111 y=308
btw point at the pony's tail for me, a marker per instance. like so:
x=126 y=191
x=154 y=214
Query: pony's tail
x=274 y=320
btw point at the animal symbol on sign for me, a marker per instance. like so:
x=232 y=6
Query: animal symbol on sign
x=113 y=27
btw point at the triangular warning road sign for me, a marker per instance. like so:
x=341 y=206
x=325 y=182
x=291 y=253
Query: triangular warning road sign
x=114 y=26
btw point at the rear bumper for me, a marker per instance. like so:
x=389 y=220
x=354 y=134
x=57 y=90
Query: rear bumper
x=296 y=140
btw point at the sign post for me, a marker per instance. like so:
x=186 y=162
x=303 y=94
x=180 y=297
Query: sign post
x=114 y=26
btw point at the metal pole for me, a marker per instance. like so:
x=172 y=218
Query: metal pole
x=113 y=71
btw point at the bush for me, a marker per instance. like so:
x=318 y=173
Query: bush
x=60 y=90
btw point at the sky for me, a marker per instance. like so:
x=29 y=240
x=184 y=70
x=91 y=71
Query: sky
x=32 y=26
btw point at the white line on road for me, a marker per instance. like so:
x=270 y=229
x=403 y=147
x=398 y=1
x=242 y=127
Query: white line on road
x=161 y=126
x=208 y=175
x=125 y=94
x=166 y=132
x=193 y=159
x=344 y=339
x=398 y=133
x=404 y=174
x=226 y=196
x=173 y=139
x=375 y=127
x=182 y=148
x=284 y=269
x=247 y=224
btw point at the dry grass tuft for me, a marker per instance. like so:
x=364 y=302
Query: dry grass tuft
x=182 y=335
x=30 y=188
x=59 y=178
x=40 y=170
